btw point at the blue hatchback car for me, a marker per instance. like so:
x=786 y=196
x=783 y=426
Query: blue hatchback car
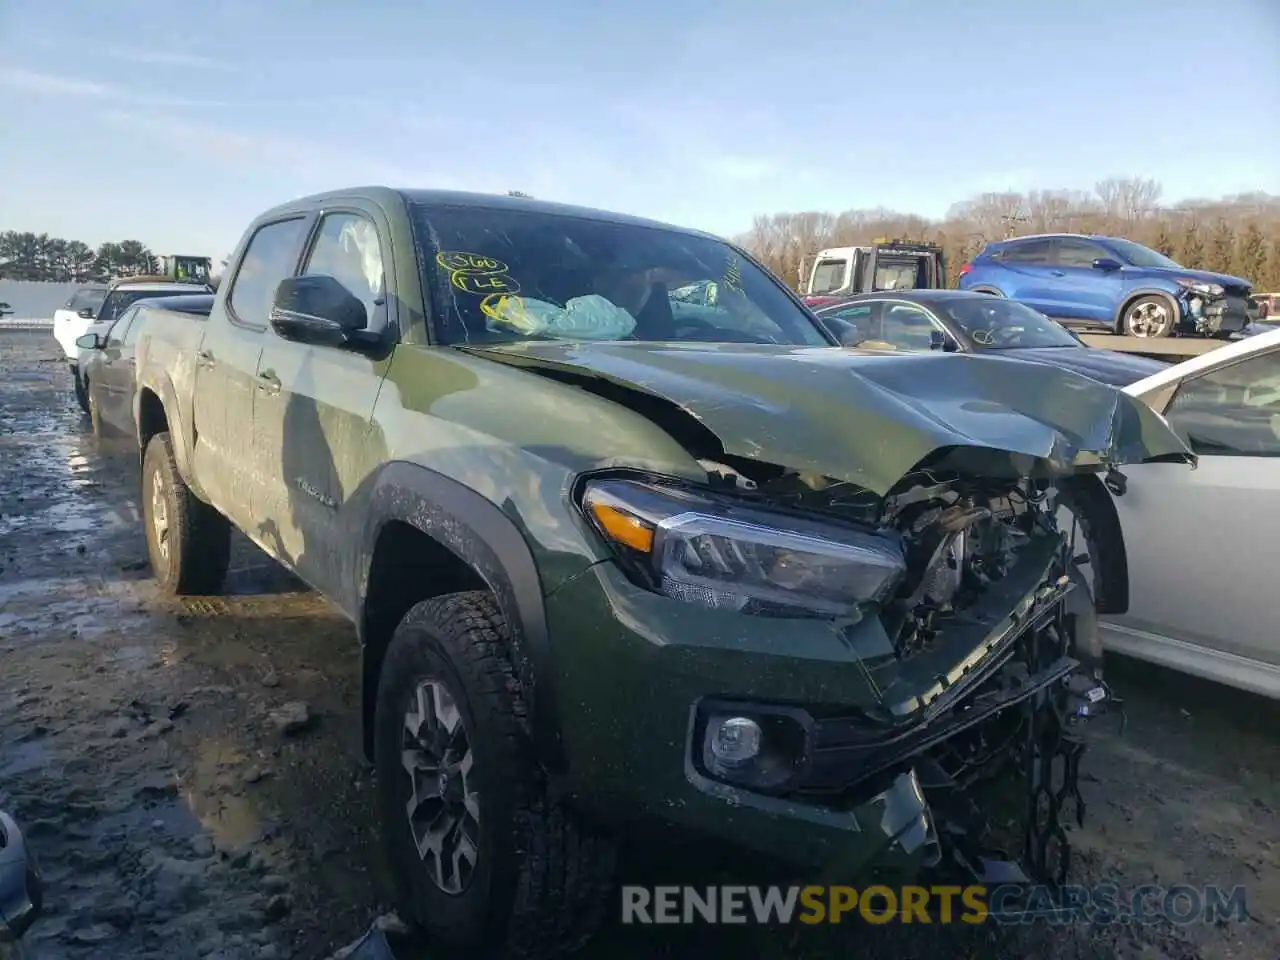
x=1111 y=283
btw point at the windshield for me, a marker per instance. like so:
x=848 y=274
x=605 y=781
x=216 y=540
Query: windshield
x=1140 y=256
x=994 y=323
x=828 y=277
x=90 y=297
x=502 y=275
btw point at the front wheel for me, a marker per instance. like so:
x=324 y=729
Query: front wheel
x=188 y=541
x=486 y=861
x=1149 y=317
x=82 y=395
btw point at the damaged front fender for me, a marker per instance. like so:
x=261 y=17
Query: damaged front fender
x=872 y=419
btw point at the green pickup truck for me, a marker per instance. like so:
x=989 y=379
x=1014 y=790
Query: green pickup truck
x=616 y=559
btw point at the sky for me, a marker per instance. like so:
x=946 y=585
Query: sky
x=176 y=123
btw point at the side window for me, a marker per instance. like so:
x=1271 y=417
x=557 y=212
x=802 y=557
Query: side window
x=1234 y=411
x=907 y=327
x=1030 y=252
x=120 y=329
x=1077 y=253
x=268 y=259
x=855 y=321
x=347 y=249
x=132 y=328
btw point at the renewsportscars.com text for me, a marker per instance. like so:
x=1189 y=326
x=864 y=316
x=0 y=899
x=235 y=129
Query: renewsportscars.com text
x=1006 y=904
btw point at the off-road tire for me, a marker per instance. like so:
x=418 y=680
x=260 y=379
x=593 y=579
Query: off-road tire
x=198 y=536
x=82 y=396
x=542 y=878
x=1129 y=317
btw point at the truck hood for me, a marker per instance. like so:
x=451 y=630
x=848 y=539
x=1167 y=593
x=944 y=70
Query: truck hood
x=870 y=419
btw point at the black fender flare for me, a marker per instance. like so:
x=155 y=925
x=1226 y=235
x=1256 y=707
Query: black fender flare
x=475 y=530
x=1118 y=320
x=164 y=390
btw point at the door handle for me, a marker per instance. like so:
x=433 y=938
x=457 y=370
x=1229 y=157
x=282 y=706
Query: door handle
x=204 y=358
x=1058 y=273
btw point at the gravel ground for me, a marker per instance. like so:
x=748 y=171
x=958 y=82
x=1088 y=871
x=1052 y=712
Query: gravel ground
x=190 y=777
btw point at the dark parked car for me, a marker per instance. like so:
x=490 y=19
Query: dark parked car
x=956 y=321
x=109 y=366
x=1112 y=283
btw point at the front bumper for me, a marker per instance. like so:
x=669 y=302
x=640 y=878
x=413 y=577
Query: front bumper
x=639 y=675
x=1218 y=316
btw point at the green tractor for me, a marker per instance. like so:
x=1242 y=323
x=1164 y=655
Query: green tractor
x=186 y=269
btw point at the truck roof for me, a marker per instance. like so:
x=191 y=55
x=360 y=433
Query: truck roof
x=389 y=196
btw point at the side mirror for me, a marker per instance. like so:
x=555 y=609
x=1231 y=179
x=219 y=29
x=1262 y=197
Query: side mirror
x=89 y=341
x=5 y=308
x=1107 y=264
x=316 y=308
x=85 y=312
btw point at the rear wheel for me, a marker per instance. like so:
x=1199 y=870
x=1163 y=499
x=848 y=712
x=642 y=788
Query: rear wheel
x=486 y=860
x=189 y=542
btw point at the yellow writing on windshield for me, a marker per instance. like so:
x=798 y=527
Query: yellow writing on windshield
x=509 y=310
x=457 y=260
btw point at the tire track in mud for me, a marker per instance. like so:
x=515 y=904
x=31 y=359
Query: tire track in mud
x=142 y=749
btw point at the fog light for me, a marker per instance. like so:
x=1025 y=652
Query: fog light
x=734 y=741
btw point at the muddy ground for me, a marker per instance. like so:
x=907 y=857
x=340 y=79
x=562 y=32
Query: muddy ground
x=142 y=748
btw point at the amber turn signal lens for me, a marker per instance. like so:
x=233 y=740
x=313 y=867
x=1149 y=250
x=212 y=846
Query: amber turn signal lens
x=623 y=527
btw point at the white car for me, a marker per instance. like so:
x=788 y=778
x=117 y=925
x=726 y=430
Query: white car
x=120 y=295
x=72 y=319
x=1199 y=544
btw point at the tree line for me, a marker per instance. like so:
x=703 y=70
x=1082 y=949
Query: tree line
x=1239 y=235
x=38 y=256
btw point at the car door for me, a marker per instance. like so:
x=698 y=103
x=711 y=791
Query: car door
x=227 y=366
x=1201 y=552
x=112 y=377
x=1025 y=272
x=314 y=404
x=1084 y=292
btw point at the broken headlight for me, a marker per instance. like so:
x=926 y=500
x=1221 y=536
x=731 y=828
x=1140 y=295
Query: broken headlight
x=731 y=556
x=1200 y=287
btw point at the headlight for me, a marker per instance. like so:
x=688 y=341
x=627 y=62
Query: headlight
x=1199 y=286
x=731 y=556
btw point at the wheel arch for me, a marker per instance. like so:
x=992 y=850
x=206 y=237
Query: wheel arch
x=1131 y=296
x=469 y=543
x=1112 y=575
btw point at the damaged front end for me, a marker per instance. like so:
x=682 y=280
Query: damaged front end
x=1211 y=309
x=991 y=666
x=916 y=653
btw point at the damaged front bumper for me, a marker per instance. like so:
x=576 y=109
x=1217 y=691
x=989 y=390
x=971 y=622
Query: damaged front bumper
x=1210 y=314
x=871 y=767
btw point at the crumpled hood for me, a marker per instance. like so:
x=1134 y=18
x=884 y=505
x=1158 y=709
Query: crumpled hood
x=871 y=418
x=1204 y=276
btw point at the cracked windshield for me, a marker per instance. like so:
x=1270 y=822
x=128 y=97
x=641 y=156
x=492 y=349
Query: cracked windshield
x=707 y=533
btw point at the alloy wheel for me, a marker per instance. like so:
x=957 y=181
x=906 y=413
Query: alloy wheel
x=1148 y=319
x=443 y=808
x=160 y=516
